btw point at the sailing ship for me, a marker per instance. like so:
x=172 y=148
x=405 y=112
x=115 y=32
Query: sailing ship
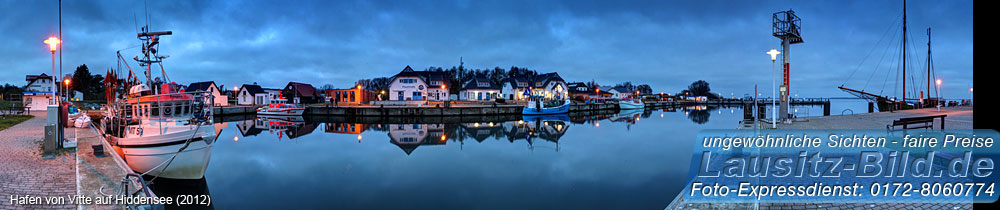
x=890 y=103
x=159 y=131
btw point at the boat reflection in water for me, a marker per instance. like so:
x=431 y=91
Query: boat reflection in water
x=191 y=189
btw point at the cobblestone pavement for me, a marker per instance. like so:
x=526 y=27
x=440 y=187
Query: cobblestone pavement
x=24 y=172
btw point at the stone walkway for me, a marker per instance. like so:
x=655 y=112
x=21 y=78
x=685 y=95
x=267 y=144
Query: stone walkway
x=24 y=172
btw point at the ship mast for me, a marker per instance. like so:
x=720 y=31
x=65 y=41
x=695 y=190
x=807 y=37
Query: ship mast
x=904 y=52
x=149 y=55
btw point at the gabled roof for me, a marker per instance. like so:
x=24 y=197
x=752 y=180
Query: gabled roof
x=32 y=78
x=303 y=89
x=534 y=81
x=480 y=82
x=547 y=78
x=621 y=90
x=253 y=89
x=200 y=86
x=426 y=76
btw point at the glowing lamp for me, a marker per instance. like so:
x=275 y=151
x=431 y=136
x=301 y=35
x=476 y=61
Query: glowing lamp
x=774 y=54
x=938 y=82
x=53 y=43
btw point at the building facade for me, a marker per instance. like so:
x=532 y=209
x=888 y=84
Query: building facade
x=218 y=98
x=479 y=89
x=549 y=86
x=410 y=85
x=39 y=92
x=301 y=93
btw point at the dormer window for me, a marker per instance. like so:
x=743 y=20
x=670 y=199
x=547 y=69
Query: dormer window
x=436 y=83
x=483 y=84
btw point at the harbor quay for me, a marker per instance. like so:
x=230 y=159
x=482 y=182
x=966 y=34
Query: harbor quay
x=33 y=180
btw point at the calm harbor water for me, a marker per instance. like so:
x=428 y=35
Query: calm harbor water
x=607 y=160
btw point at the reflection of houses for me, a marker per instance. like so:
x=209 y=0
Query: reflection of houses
x=347 y=128
x=301 y=130
x=409 y=136
x=481 y=131
x=38 y=93
x=549 y=86
x=479 y=88
x=410 y=85
x=248 y=128
x=550 y=130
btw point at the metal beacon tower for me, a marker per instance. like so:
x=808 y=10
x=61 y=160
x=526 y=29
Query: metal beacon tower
x=785 y=26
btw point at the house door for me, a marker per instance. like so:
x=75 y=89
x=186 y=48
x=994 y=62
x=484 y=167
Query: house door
x=399 y=96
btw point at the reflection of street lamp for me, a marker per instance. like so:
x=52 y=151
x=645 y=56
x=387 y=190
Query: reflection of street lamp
x=53 y=43
x=940 y=97
x=774 y=115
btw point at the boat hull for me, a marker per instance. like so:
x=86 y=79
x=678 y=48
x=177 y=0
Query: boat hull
x=282 y=112
x=188 y=164
x=631 y=105
x=563 y=109
x=145 y=153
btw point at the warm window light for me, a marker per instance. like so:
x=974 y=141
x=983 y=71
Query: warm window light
x=53 y=43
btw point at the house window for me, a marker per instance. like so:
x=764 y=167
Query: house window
x=436 y=83
x=408 y=81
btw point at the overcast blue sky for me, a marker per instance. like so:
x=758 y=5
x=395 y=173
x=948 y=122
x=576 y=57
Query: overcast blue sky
x=667 y=44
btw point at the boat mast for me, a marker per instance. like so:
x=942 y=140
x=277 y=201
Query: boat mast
x=928 y=63
x=904 y=51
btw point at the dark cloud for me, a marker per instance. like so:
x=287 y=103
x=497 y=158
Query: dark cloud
x=667 y=44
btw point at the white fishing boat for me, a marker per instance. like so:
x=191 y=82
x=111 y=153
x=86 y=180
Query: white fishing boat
x=281 y=109
x=158 y=132
x=631 y=104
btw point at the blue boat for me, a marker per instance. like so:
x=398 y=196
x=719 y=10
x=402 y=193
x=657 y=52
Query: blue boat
x=538 y=108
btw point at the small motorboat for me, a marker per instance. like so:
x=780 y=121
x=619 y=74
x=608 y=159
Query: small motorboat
x=281 y=109
x=631 y=104
x=537 y=107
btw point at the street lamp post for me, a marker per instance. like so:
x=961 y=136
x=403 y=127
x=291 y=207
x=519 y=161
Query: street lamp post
x=970 y=97
x=66 y=87
x=774 y=115
x=53 y=43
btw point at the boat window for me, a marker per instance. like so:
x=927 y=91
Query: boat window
x=154 y=111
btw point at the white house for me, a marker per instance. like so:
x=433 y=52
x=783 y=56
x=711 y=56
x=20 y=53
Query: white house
x=38 y=93
x=410 y=85
x=478 y=89
x=549 y=86
x=253 y=95
x=219 y=98
x=620 y=93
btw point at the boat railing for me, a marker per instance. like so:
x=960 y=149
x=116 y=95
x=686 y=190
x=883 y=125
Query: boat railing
x=197 y=105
